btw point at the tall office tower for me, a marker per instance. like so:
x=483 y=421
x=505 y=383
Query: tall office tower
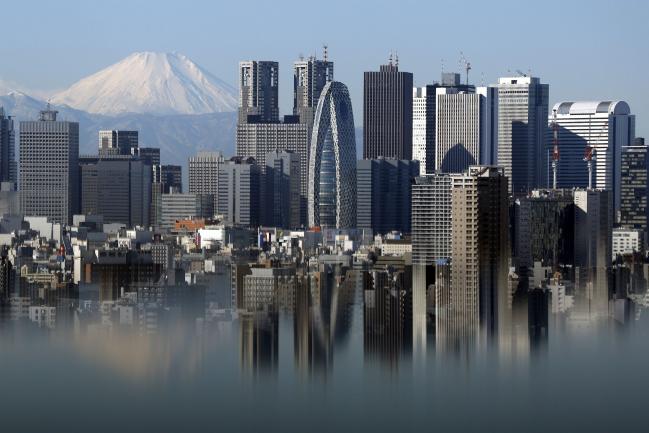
x=172 y=178
x=423 y=128
x=258 y=85
x=633 y=188
x=204 y=174
x=431 y=219
x=424 y=117
x=49 y=168
x=256 y=140
x=464 y=125
x=118 y=187
x=239 y=198
x=178 y=206
x=593 y=251
x=522 y=114
x=604 y=126
x=383 y=194
x=156 y=194
x=150 y=154
x=544 y=229
x=387 y=113
x=114 y=142
x=475 y=293
x=7 y=148
x=332 y=161
x=309 y=78
x=281 y=201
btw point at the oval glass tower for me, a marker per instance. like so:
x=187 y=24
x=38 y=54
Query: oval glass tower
x=332 y=161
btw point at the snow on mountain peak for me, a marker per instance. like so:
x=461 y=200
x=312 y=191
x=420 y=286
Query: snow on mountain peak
x=151 y=82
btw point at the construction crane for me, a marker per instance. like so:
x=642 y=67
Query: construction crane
x=555 y=151
x=589 y=157
x=466 y=64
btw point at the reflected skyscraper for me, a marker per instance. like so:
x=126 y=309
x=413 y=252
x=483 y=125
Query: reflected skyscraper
x=332 y=161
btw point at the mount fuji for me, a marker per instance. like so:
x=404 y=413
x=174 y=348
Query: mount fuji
x=150 y=83
x=175 y=104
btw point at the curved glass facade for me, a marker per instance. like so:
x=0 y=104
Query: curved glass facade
x=332 y=161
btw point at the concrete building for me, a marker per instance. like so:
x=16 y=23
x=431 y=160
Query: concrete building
x=204 y=173
x=256 y=140
x=387 y=113
x=49 y=168
x=239 y=199
x=332 y=161
x=431 y=219
x=118 y=187
x=471 y=297
x=383 y=194
x=282 y=186
x=8 y=169
x=270 y=289
x=424 y=118
x=465 y=128
x=634 y=168
x=115 y=142
x=178 y=206
x=309 y=78
x=9 y=199
x=258 y=91
x=172 y=178
x=606 y=126
x=522 y=125
x=627 y=241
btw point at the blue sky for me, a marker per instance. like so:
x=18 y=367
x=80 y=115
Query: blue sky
x=583 y=49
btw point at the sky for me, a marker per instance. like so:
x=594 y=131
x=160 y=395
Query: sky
x=585 y=50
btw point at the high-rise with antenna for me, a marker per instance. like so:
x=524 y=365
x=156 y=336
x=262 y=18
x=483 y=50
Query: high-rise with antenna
x=555 y=150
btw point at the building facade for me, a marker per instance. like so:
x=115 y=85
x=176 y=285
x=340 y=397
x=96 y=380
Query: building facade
x=258 y=91
x=239 y=199
x=282 y=185
x=522 y=125
x=8 y=170
x=49 y=168
x=115 y=142
x=332 y=161
x=633 y=187
x=204 y=173
x=383 y=194
x=387 y=113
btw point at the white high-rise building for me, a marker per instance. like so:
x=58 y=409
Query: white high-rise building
x=606 y=126
x=522 y=110
x=423 y=128
x=465 y=129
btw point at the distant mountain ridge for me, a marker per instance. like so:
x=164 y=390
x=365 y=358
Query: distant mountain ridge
x=150 y=83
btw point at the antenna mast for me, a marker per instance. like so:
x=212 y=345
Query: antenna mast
x=555 y=151
x=467 y=65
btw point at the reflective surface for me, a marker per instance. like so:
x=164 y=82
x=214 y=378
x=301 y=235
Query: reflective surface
x=343 y=358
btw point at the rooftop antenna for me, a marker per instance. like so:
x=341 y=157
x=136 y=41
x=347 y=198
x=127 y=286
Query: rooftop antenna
x=442 y=65
x=390 y=58
x=467 y=65
x=301 y=56
x=589 y=157
x=396 y=60
x=325 y=52
x=521 y=73
x=555 y=151
x=482 y=79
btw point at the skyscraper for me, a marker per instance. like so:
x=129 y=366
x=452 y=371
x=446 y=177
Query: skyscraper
x=309 y=78
x=387 y=113
x=332 y=161
x=431 y=219
x=605 y=126
x=424 y=118
x=281 y=201
x=49 y=168
x=7 y=148
x=204 y=173
x=114 y=142
x=522 y=114
x=258 y=86
x=172 y=178
x=118 y=187
x=464 y=127
x=474 y=295
x=239 y=198
x=383 y=194
x=633 y=190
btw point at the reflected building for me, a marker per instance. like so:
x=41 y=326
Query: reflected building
x=332 y=161
x=259 y=342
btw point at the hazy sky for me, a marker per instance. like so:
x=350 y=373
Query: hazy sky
x=584 y=49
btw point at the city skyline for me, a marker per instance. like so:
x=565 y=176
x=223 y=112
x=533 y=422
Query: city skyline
x=490 y=58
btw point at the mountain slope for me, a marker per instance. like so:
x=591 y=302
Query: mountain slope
x=151 y=83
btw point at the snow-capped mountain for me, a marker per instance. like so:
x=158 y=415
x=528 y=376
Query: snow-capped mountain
x=150 y=83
